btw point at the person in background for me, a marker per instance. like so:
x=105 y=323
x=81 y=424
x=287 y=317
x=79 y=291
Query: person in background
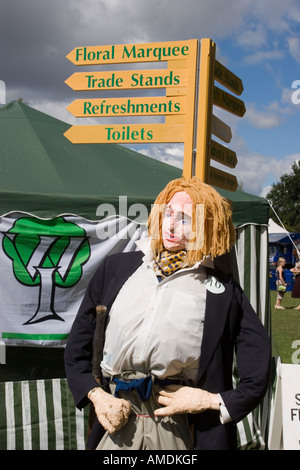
x=296 y=271
x=280 y=283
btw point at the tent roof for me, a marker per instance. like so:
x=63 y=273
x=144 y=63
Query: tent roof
x=284 y=239
x=46 y=175
x=275 y=228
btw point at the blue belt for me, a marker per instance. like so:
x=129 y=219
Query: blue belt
x=143 y=386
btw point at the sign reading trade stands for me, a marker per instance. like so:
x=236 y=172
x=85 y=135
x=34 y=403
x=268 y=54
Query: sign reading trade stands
x=126 y=80
x=187 y=114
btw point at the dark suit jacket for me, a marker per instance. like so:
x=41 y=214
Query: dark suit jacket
x=230 y=325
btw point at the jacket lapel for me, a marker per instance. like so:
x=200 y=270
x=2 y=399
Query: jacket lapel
x=217 y=308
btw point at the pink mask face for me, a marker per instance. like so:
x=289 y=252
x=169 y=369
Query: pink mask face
x=177 y=222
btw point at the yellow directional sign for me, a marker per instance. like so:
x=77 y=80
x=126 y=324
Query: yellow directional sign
x=209 y=96
x=220 y=129
x=120 y=134
x=177 y=106
x=125 y=53
x=187 y=106
x=127 y=79
x=228 y=79
x=230 y=103
x=205 y=104
x=221 y=179
x=222 y=154
x=145 y=106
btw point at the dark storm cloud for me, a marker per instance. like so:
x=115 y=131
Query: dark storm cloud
x=36 y=35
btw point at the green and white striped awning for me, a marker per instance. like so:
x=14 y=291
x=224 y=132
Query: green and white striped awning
x=40 y=415
x=253 y=275
x=253 y=268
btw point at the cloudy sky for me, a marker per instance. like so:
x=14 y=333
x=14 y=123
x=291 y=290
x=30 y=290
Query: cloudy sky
x=259 y=40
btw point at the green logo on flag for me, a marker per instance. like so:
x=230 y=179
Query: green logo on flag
x=46 y=253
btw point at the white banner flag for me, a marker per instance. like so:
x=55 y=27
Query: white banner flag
x=45 y=267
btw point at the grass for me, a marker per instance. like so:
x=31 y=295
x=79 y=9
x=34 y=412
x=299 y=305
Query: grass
x=285 y=328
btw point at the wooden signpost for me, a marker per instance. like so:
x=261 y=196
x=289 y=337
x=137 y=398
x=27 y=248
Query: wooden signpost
x=208 y=124
x=187 y=113
x=178 y=80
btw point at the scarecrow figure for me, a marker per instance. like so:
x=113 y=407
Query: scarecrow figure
x=174 y=323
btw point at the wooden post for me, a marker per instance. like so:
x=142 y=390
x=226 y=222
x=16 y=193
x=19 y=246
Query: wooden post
x=205 y=104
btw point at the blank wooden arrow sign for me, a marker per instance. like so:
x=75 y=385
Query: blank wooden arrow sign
x=220 y=129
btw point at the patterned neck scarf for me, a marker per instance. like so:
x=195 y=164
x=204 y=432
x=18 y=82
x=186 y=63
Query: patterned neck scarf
x=167 y=262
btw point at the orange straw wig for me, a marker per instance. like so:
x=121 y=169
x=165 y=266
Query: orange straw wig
x=212 y=227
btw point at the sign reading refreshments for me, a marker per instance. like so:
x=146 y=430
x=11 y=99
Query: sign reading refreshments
x=146 y=106
x=187 y=114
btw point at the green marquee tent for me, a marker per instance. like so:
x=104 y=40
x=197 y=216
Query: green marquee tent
x=44 y=176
